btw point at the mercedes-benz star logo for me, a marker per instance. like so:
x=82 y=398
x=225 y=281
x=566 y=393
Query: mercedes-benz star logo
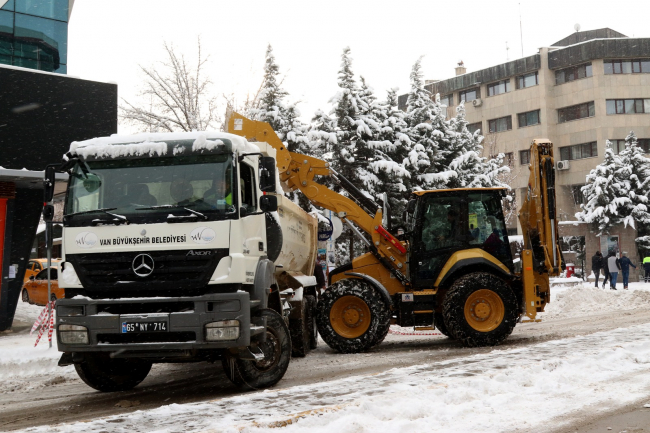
x=143 y=265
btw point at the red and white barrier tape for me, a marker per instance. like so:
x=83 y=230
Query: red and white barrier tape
x=45 y=322
x=390 y=331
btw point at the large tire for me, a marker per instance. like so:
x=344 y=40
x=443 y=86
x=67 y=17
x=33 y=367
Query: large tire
x=352 y=317
x=106 y=374
x=439 y=322
x=480 y=309
x=312 y=329
x=277 y=350
x=300 y=332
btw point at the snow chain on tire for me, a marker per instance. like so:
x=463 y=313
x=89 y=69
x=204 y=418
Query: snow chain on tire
x=342 y=318
x=267 y=372
x=480 y=301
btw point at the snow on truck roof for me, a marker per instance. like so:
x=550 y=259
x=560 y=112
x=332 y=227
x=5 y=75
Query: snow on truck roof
x=161 y=144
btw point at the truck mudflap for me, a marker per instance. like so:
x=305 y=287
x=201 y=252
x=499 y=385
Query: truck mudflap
x=152 y=326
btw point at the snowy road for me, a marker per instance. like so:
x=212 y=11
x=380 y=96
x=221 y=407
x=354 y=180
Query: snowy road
x=549 y=376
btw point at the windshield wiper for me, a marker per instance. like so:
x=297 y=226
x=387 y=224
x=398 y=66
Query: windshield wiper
x=170 y=217
x=117 y=219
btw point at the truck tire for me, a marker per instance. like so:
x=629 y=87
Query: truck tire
x=312 y=329
x=105 y=374
x=480 y=309
x=439 y=322
x=352 y=317
x=300 y=332
x=277 y=350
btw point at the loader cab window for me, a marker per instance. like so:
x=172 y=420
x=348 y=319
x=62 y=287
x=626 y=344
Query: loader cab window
x=487 y=225
x=442 y=225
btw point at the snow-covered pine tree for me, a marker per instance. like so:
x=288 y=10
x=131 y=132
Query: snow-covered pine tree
x=463 y=150
x=606 y=193
x=420 y=110
x=392 y=149
x=636 y=170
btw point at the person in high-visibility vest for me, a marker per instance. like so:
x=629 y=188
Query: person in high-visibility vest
x=646 y=268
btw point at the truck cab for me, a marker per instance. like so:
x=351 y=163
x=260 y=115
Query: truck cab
x=169 y=244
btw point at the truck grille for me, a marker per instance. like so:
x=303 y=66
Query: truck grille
x=172 y=271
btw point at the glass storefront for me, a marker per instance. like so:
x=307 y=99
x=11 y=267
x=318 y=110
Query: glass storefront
x=34 y=34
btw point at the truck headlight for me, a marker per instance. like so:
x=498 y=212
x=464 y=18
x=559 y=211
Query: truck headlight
x=223 y=330
x=73 y=334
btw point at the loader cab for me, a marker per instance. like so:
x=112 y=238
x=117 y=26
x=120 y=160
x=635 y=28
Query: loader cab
x=444 y=222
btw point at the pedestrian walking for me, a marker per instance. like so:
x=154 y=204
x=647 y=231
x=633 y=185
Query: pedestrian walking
x=606 y=271
x=614 y=266
x=646 y=269
x=625 y=268
x=597 y=265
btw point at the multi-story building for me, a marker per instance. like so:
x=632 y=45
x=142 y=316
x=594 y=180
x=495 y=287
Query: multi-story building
x=583 y=90
x=34 y=34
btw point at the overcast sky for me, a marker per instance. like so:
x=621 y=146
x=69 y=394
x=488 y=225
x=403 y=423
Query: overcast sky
x=108 y=39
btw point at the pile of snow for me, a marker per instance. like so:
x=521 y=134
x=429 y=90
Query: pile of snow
x=585 y=299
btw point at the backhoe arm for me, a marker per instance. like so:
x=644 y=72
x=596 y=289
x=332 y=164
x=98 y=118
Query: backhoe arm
x=297 y=171
x=541 y=255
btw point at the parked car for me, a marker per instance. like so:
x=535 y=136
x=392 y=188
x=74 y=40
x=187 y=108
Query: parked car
x=35 y=289
x=34 y=266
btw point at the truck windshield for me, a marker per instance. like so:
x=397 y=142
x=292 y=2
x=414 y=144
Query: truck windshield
x=152 y=188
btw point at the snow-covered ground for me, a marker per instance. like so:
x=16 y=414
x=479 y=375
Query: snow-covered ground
x=532 y=388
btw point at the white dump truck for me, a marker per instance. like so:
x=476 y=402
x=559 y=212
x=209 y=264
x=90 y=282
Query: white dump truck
x=180 y=247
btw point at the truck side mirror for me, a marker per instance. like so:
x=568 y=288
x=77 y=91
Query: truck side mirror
x=48 y=184
x=268 y=203
x=267 y=174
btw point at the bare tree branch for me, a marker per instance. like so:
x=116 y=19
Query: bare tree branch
x=178 y=94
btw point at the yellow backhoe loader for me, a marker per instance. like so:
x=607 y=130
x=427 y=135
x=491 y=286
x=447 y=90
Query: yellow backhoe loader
x=453 y=269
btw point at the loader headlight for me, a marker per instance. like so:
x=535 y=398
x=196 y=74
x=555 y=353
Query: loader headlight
x=223 y=330
x=73 y=334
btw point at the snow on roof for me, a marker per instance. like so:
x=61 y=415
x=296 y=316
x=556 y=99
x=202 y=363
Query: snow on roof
x=156 y=144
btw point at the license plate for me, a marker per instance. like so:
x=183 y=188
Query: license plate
x=158 y=326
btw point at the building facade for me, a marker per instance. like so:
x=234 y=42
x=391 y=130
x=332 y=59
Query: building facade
x=34 y=34
x=586 y=89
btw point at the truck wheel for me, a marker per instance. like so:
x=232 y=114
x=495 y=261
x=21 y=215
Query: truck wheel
x=300 y=332
x=106 y=374
x=352 y=317
x=312 y=329
x=277 y=354
x=439 y=323
x=480 y=309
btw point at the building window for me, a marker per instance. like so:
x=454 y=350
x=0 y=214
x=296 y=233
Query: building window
x=576 y=112
x=579 y=151
x=529 y=118
x=469 y=95
x=627 y=66
x=619 y=145
x=628 y=106
x=524 y=157
x=509 y=159
x=473 y=127
x=527 y=80
x=578 y=196
x=447 y=100
x=500 y=125
x=498 y=88
x=571 y=74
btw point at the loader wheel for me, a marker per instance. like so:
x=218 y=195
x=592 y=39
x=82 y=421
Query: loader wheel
x=300 y=332
x=312 y=329
x=277 y=354
x=439 y=323
x=106 y=374
x=480 y=309
x=352 y=317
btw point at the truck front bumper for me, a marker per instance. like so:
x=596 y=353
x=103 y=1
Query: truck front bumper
x=185 y=320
